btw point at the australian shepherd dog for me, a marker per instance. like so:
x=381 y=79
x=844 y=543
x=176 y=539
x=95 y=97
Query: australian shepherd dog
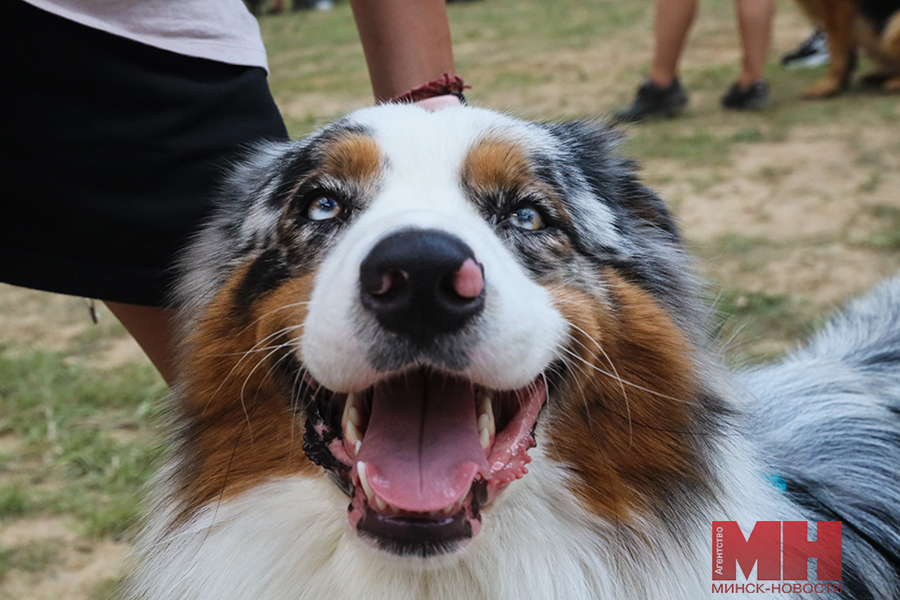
x=455 y=355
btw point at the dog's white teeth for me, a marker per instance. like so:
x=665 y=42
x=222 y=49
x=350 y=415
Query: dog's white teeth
x=486 y=422
x=485 y=438
x=351 y=434
x=486 y=425
x=352 y=410
x=364 y=480
x=385 y=506
x=453 y=508
x=370 y=494
x=483 y=400
x=352 y=422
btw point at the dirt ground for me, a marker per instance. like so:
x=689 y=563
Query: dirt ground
x=815 y=225
x=804 y=216
x=79 y=565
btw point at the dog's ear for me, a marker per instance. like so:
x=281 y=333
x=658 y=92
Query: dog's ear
x=592 y=146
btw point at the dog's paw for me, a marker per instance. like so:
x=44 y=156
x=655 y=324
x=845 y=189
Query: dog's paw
x=824 y=88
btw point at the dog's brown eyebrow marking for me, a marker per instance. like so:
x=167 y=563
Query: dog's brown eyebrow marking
x=353 y=157
x=498 y=166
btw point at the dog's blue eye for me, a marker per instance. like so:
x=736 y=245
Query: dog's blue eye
x=323 y=208
x=526 y=218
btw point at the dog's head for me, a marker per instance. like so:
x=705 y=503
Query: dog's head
x=421 y=295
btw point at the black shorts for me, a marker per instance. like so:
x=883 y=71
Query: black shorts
x=110 y=154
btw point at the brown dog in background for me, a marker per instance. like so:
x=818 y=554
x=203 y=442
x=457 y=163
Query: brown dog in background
x=873 y=25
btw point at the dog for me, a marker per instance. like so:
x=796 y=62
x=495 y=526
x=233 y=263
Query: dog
x=873 y=25
x=456 y=355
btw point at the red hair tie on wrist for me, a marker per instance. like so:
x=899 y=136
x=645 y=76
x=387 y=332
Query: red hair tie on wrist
x=440 y=86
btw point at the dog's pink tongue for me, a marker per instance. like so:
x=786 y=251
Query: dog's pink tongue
x=421 y=446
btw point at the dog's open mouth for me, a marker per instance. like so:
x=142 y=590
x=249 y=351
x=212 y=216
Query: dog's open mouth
x=420 y=454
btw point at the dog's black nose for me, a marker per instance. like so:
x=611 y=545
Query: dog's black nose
x=420 y=283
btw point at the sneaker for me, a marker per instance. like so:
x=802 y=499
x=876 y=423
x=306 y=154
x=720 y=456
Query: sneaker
x=756 y=97
x=813 y=52
x=652 y=101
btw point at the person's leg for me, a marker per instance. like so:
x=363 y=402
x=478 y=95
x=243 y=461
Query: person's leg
x=755 y=28
x=661 y=94
x=670 y=30
x=154 y=330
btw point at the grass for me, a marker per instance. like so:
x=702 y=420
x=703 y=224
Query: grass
x=672 y=141
x=14 y=501
x=80 y=445
x=889 y=237
x=33 y=557
x=749 y=253
x=107 y=589
x=755 y=326
x=83 y=444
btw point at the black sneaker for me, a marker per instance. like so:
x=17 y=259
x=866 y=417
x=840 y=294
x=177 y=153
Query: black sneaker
x=756 y=97
x=813 y=52
x=652 y=101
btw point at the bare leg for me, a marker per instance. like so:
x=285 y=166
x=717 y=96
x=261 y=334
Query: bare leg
x=406 y=44
x=670 y=30
x=152 y=328
x=755 y=27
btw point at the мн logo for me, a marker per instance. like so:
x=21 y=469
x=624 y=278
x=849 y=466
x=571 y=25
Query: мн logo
x=779 y=550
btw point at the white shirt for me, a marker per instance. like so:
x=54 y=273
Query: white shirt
x=221 y=30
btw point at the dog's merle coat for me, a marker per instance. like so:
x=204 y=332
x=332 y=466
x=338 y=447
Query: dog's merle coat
x=827 y=418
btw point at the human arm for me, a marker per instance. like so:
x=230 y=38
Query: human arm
x=406 y=43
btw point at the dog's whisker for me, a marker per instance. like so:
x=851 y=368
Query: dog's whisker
x=292 y=344
x=615 y=375
x=246 y=354
x=295 y=397
x=257 y=320
x=581 y=388
x=250 y=375
x=257 y=346
x=630 y=383
x=581 y=364
x=274 y=365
